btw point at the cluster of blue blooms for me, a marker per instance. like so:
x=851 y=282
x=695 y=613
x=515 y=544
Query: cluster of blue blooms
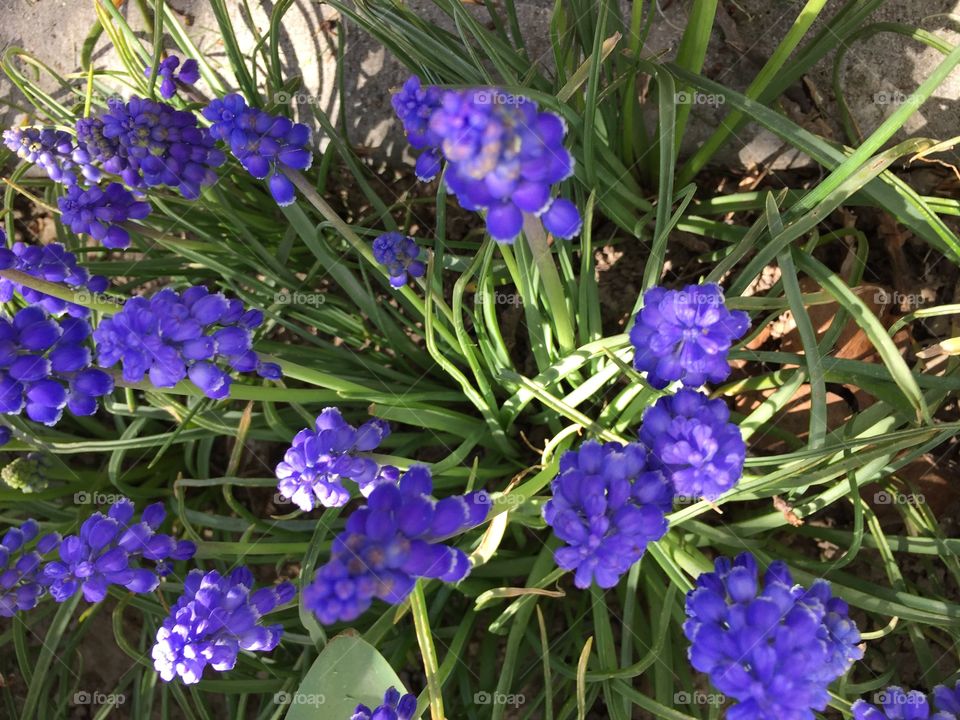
x=687 y=445
x=168 y=75
x=20 y=582
x=608 y=503
x=100 y=212
x=391 y=541
x=504 y=155
x=773 y=646
x=175 y=335
x=48 y=148
x=45 y=367
x=399 y=255
x=895 y=704
x=319 y=460
x=264 y=144
x=394 y=707
x=215 y=618
x=51 y=263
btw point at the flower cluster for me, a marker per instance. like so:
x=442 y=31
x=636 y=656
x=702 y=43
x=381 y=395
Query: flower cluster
x=692 y=439
x=394 y=707
x=608 y=503
x=100 y=212
x=52 y=263
x=215 y=618
x=27 y=472
x=45 y=367
x=895 y=704
x=771 y=647
x=685 y=335
x=111 y=550
x=390 y=542
x=398 y=254
x=319 y=460
x=49 y=148
x=414 y=105
x=169 y=77
x=151 y=143
x=264 y=144
x=20 y=583
x=504 y=154
x=173 y=335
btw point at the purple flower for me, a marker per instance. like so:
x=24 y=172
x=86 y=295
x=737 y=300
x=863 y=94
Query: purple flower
x=20 y=587
x=895 y=704
x=390 y=542
x=608 y=504
x=213 y=620
x=111 y=550
x=770 y=647
x=169 y=77
x=685 y=335
x=51 y=263
x=315 y=465
x=264 y=144
x=100 y=212
x=49 y=148
x=149 y=143
x=414 y=104
x=398 y=254
x=172 y=336
x=504 y=156
x=691 y=437
x=45 y=367
x=394 y=707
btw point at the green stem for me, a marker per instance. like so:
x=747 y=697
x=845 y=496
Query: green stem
x=95 y=301
x=552 y=285
x=421 y=621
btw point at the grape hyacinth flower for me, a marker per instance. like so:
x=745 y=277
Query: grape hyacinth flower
x=172 y=336
x=49 y=148
x=691 y=437
x=149 y=143
x=609 y=502
x=45 y=367
x=504 y=156
x=111 y=550
x=319 y=460
x=394 y=707
x=52 y=263
x=169 y=77
x=766 y=645
x=895 y=704
x=398 y=254
x=215 y=618
x=20 y=586
x=100 y=212
x=685 y=335
x=390 y=542
x=27 y=472
x=414 y=104
x=264 y=144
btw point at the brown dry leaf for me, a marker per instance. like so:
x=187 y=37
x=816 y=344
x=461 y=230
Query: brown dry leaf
x=787 y=509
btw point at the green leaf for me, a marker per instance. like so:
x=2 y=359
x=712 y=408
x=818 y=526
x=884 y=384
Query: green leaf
x=348 y=672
